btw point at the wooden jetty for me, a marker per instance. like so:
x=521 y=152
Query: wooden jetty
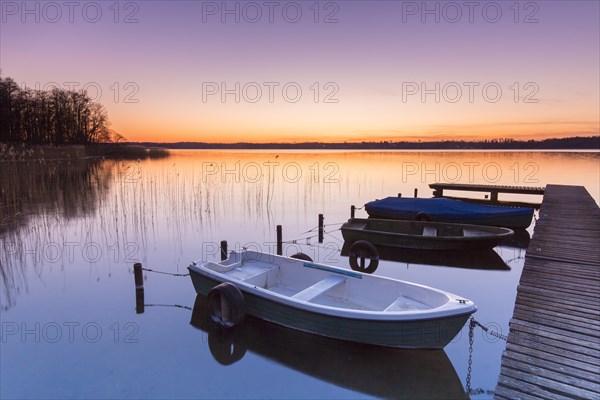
x=492 y=190
x=553 y=348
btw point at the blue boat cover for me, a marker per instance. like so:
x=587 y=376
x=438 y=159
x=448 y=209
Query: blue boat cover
x=442 y=209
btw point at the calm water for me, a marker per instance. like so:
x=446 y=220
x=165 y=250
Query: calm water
x=72 y=231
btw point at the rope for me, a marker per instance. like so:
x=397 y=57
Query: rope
x=295 y=241
x=324 y=225
x=307 y=238
x=310 y=230
x=164 y=273
x=335 y=223
x=168 y=305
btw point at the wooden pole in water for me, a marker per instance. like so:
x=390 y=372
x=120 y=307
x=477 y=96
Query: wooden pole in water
x=399 y=194
x=416 y=191
x=139 y=288
x=137 y=275
x=320 y=228
x=139 y=300
x=352 y=211
x=279 y=241
x=223 y=250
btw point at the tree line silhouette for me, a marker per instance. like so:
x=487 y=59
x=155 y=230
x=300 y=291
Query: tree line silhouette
x=55 y=116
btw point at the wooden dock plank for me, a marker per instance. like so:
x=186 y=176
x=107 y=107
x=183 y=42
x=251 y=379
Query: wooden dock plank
x=547 y=379
x=591 y=341
x=556 y=367
x=540 y=353
x=568 y=318
x=553 y=349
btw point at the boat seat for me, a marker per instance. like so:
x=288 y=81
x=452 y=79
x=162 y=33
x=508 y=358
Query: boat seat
x=405 y=304
x=253 y=273
x=320 y=287
x=429 y=231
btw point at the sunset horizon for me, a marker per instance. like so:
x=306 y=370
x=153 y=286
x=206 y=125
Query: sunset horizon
x=350 y=71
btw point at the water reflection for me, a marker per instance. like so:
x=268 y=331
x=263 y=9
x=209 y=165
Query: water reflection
x=37 y=199
x=483 y=259
x=372 y=370
x=520 y=240
x=67 y=189
x=165 y=213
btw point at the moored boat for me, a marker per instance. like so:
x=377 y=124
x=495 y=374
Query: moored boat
x=424 y=235
x=330 y=301
x=449 y=210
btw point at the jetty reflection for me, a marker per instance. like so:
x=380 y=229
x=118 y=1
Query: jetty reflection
x=484 y=259
x=372 y=370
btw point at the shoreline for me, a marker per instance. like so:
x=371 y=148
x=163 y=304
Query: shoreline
x=26 y=152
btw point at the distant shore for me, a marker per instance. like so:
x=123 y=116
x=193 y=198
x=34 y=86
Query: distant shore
x=575 y=143
x=143 y=150
x=23 y=151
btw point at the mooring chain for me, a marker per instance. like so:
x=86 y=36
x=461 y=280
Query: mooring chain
x=487 y=330
x=470 y=363
x=472 y=324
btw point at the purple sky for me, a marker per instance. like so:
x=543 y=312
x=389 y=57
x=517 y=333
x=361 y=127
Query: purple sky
x=360 y=77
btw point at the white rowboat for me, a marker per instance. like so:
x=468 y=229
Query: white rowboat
x=330 y=301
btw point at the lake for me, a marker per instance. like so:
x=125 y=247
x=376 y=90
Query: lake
x=71 y=231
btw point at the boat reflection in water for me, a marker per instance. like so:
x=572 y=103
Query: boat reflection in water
x=485 y=259
x=372 y=370
x=520 y=240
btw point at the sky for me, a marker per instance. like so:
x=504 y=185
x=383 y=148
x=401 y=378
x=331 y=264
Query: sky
x=331 y=71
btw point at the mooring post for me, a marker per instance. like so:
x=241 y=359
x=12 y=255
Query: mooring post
x=320 y=228
x=279 y=241
x=399 y=194
x=139 y=288
x=416 y=192
x=138 y=276
x=223 y=250
x=352 y=211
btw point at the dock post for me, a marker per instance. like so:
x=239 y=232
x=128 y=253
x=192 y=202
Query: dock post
x=320 y=228
x=416 y=192
x=399 y=194
x=279 y=241
x=352 y=211
x=223 y=250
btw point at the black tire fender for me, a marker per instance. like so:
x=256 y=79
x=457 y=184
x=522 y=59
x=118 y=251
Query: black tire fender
x=302 y=256
x=364 y=250
x=226 y=305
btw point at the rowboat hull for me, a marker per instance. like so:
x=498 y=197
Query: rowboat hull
x=419 y=332
x=449 y=210
x=423 y=235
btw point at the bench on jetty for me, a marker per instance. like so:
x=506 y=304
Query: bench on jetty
x=493 y=190
x=553 y=347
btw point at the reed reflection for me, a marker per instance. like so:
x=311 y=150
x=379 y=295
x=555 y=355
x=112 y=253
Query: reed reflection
x=37 y=198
